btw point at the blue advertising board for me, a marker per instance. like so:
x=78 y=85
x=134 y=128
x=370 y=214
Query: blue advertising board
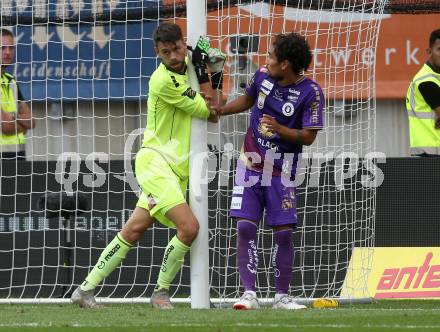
x=83 y=60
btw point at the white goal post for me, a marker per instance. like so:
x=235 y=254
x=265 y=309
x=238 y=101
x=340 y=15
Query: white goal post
x=198 y=185
x=83 y=67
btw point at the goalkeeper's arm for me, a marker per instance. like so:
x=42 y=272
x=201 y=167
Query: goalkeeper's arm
x=203 y=57
x=199 y=59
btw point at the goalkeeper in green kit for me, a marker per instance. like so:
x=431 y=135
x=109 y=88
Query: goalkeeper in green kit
x=162 y=165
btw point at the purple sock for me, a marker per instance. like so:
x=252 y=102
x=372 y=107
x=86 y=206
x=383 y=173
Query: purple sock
x=282 y=260
x=247 y=255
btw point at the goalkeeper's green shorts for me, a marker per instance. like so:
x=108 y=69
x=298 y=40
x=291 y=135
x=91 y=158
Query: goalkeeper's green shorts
x=161 y=188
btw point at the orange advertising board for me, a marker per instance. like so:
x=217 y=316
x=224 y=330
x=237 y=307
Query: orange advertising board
x=403 y=273
x=343 y=47
x=401 y=51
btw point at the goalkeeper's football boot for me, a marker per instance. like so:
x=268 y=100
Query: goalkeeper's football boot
x=160 y=299
x=248 y=301
x=286 y=302
x=85 y=299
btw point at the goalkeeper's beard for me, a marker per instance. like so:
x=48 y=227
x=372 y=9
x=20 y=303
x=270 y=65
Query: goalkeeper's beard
x=178 y=67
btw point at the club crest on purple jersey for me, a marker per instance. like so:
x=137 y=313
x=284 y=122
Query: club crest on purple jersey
x=288 y=109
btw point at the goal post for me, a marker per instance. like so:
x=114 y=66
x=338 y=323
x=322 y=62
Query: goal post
x=84 y=66
x=198 y=185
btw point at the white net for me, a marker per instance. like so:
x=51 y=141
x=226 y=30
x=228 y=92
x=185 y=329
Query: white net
x=335 y=208
x=83 y=67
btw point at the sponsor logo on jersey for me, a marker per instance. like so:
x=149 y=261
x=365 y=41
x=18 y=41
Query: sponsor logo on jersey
x=288 y=109
x=314 y=107
x=189 y=93
x=295 y=92
x=267 y=144
x=317 y=94
x=278 y=95
x=292 y=98
x=261 y=100
x=265 y=91
x=101 y=265
x=262 y=129
x=267 y=84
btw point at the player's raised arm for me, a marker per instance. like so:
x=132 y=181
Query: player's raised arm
x=238 y=105
x=243 y=102
x=203 y=58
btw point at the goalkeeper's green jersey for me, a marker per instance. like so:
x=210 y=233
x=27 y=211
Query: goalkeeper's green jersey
x=171 y=104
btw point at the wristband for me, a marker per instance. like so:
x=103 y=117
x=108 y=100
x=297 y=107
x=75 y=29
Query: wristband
x=201 y=72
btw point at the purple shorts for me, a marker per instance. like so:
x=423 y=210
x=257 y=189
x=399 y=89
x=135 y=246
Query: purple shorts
x=249 y=202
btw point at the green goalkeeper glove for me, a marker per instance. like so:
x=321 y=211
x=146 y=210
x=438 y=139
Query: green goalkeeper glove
x=199 y=59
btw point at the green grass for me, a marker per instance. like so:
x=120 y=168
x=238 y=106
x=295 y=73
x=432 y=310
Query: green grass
x=390 y=315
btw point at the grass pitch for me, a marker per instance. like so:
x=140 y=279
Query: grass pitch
x=389 y=315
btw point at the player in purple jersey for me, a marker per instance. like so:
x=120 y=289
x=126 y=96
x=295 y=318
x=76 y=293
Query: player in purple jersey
x=287 y=112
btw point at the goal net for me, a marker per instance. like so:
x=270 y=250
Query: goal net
x=83 y=68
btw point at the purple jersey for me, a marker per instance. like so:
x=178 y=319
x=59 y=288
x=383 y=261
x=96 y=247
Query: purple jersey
x=299 y=105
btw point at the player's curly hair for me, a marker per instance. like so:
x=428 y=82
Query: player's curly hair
x=294 y=48
x=167 y=33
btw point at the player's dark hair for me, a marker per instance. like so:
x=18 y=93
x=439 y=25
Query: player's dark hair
x=6 y=32
x=167 y=33
x=294 y=48
x=434 y=36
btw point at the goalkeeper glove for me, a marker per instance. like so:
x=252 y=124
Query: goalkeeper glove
x=199 y=59
x=216 y=63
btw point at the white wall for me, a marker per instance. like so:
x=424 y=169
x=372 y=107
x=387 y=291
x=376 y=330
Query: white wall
x=91 y=127
x=354 y=128
x=392 y=128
